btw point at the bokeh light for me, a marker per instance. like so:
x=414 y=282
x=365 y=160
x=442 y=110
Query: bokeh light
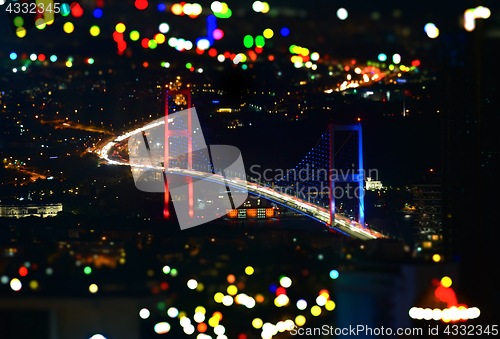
x=68 y=27
x=342 y=13
x=92 y=288
x=144 y=313
x=15 y=284
x=334 y=274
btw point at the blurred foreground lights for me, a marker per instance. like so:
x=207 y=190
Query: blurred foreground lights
x=315 y=310
x=454 y=313
x=301 y=304
x=396 y=58
x=258 y=6
x=472 y=14
x=164 y=27
x=189 y=329
x=192 y=284
x=144 y=313
x=436 y=258
x=382 y=57
x=166 y=269
x=249 y=270
x=334 y=274
x=93 y=288
x=330 y=305
x=97 y=336
x=257 y=323
x=227 y=300
x=34 y=284
x=321 y=300
x=286 y=282
x=431 y=30
x=281 y=300
x=162 y=328
x=219 y=330
x=172 y=312
x=342 y=13
x=446 y=282
x=15 y=284
x=199 y=317
x=4 y=279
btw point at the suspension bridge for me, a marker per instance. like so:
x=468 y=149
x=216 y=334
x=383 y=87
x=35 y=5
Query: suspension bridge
x=313 y=196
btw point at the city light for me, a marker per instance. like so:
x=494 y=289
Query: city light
x=15 y=284
x=342 y=13
x=144 y=313
x=431 y=30
x=93 y=288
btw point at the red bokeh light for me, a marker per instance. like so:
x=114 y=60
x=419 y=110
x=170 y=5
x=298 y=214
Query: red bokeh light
x=242 y=336
x=271 y=57
x=145 y=42
x=76 y=10
x=415 y=63
x=23 y=271
x=141 y=4
x=280 y=291
x=202 y=327
x=99 y=3
x=122 y=46
x=117 y=36
x=212 y=52
x=258 y=50
x=231 y=278
x=226 y=55
x=145 y=64
x=164 y=285
x=199 y=51
x=41 y=57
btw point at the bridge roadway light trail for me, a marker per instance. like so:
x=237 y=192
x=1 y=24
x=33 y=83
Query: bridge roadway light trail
x=320 y=214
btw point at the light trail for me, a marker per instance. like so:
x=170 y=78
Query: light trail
x=342 y=224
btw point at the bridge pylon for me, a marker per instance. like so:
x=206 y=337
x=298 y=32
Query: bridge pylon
x=358 y=178
x=170 y=93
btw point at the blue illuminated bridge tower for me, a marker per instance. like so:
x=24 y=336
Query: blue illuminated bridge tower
x=346 y=171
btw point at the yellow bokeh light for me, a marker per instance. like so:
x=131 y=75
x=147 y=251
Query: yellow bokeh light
x=212 y=322
x=257 y=323
x=249 y=270
x=268 y=33
x=266 y=7
x=33 y=284
x=200 y=309
x=300 y=320
x=120 y=27
x=69 y=27
x=95 y=30
x=315 y=310
x=21 y=32
x=93 y=288
x=436 y=258
x=160 y=38
x=330 y=305
x=232 y=289
x=218 y=297
x=304 y=51
x=446 y=281
x=69 y=63
x=40 y=23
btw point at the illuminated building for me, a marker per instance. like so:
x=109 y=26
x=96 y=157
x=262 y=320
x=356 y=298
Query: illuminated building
x=21 y=211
